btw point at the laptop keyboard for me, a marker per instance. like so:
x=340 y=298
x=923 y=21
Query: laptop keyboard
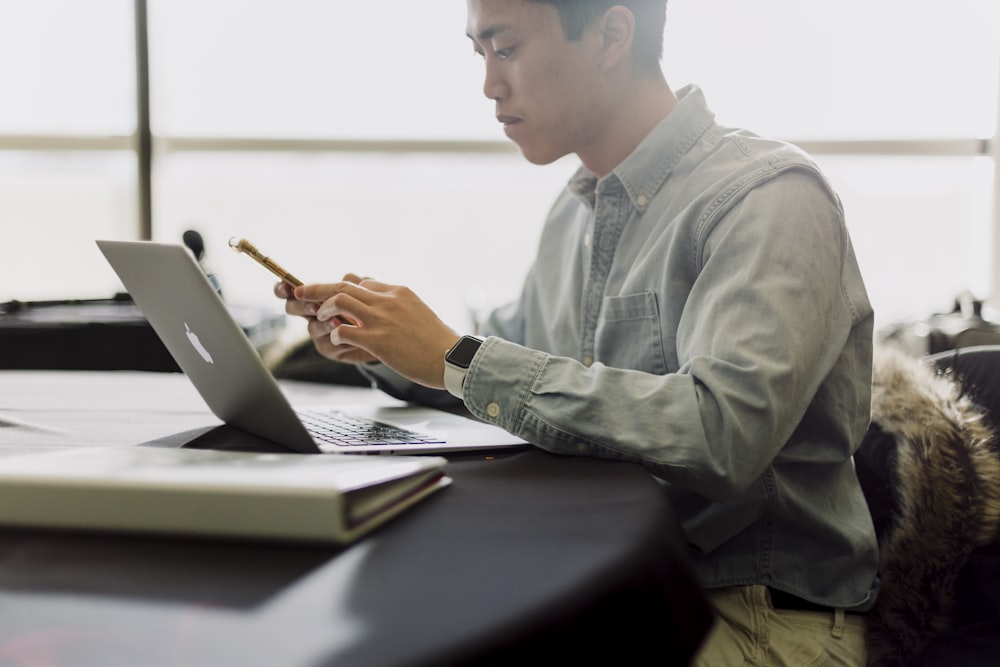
x=339 y=429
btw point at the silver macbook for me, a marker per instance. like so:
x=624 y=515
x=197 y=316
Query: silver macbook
x=194 y=324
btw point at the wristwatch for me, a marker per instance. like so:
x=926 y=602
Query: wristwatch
x=457 y=361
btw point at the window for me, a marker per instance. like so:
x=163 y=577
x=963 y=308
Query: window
x=67 y=175
x=845 y=70
x=68 y=67
x=315 y=69
x=894 y=100
x=356 y=137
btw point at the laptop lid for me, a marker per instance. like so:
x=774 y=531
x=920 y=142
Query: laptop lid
x=211 y=348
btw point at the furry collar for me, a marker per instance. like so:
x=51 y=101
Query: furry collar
x=946 y=480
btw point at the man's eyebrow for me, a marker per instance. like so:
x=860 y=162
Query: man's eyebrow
x=489 y=32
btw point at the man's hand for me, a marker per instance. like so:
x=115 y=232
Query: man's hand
x=319 y=332
x=358 y=320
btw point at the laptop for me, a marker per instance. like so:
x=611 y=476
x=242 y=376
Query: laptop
x=195 y=325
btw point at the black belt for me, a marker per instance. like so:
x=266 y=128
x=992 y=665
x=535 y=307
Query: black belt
x=789 y=602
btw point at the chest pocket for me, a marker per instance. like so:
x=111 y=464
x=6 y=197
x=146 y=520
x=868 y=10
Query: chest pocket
x=629 y=333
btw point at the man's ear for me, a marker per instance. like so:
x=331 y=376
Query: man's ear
x=617 y=32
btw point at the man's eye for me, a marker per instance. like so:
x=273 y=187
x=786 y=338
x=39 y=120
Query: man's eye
x=503 y=54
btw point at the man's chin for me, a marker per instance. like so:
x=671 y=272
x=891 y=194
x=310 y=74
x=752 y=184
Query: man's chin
x=540 y=156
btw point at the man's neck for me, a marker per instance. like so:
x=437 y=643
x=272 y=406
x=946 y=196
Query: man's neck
x=648 y=103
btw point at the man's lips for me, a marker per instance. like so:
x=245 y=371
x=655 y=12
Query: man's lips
x=507 y=120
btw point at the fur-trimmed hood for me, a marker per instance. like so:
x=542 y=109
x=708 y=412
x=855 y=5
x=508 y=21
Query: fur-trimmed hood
x=945 y=476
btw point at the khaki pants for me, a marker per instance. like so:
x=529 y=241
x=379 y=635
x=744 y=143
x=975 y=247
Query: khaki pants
x=749 y=631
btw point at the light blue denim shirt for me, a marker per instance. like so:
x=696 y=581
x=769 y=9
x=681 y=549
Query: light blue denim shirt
x=700 y=311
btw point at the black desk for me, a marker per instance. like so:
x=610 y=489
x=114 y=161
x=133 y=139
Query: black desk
x=526 y=554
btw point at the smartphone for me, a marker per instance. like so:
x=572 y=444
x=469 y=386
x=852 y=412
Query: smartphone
x=250 y=250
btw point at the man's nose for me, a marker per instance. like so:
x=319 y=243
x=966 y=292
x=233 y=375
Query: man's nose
x=494 y=86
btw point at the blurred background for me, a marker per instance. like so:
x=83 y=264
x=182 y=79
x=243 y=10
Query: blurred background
x=355 y=137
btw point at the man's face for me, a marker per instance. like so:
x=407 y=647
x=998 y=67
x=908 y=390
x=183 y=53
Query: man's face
x=546 y=88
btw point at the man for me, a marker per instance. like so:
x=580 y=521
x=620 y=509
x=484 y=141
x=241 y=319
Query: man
x=695 y=306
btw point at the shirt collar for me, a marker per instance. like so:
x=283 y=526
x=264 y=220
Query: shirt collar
x=644 y=171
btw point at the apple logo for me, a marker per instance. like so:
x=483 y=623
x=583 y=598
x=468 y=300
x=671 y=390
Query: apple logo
x=193 y=337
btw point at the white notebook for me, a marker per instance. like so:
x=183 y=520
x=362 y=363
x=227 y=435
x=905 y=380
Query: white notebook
x=213 y=493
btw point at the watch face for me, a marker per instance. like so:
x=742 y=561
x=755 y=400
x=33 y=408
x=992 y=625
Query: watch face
x=465 y=349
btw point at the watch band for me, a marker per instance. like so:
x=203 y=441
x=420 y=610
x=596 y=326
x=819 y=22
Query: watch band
x=456 y=363
x=454 y=379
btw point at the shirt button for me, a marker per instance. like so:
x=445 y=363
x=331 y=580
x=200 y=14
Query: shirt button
x=641 y=200
x=493 y=409
x=581 y=447
x=586 y=240
x=588 y=361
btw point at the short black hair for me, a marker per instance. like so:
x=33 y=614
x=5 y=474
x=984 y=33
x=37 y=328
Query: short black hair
x=650 y=19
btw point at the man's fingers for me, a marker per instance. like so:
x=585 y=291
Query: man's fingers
x=300 y=308
x=319 y=330
x=322 y=291
x=355 y=278
x=327 y=345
